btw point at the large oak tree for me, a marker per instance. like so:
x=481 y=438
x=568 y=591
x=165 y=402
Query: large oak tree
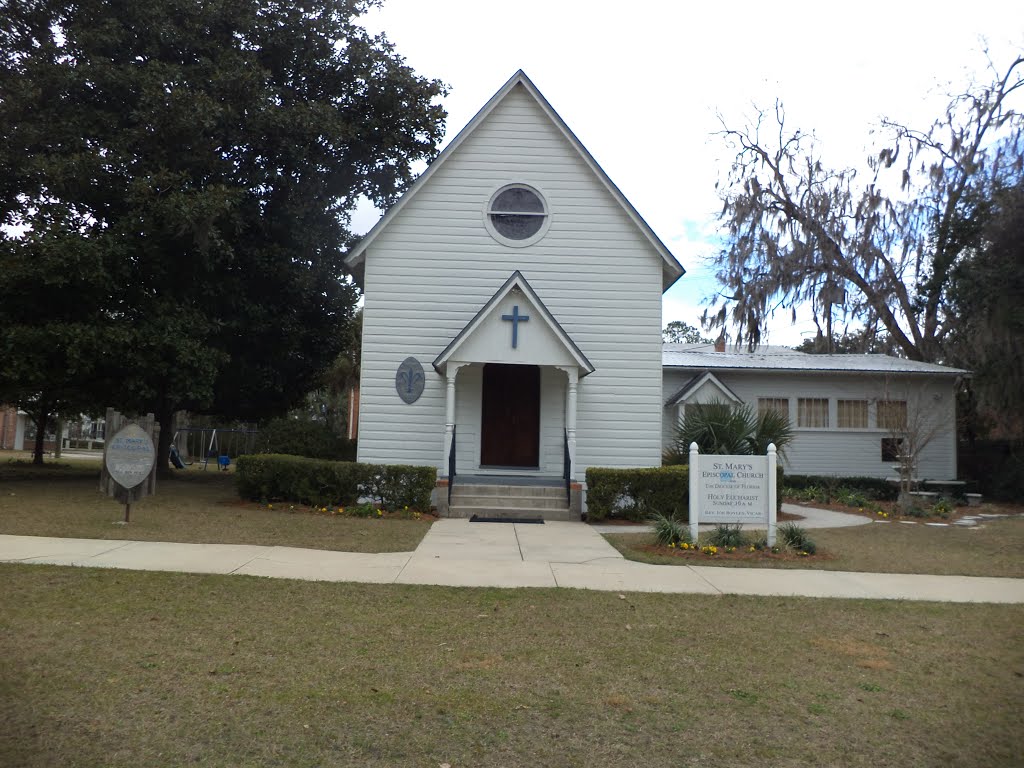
x=209 y=154
x=880 y=249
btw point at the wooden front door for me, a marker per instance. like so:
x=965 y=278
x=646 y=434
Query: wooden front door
x=510 y=419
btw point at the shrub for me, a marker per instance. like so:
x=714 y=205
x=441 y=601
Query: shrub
x=796 y=538
x=727 y=536
x=872 y=488
x=669 y=531
x=852 y=498
x=361 y=510
x=396 y=486
x=304 y=437
x=272 y=477
x=636 y=494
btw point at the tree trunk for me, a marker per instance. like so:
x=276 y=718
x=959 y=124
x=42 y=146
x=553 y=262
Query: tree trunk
x=59 y=434
x=40 y=420
x=165 y=417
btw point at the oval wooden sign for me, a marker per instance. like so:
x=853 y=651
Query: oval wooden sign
x=130 y=456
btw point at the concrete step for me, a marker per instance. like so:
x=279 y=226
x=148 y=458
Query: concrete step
x=467 y=499
x=507 y=490
x=513 y=512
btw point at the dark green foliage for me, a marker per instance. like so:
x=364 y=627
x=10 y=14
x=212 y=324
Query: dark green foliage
x=636 y=494
x=304 y=437
x=996 y=466
x=188 y=170
x=828 y=487
x=274 y=477
x=796 y=538
x=858 y=342
x=680 y=332
x=986 y=292
x=727 y=536
x=668 y=530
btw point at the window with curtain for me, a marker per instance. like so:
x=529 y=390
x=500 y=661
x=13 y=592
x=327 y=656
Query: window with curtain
x=892 y=414
x=852 y=414
x=812 y=412
x=777 y=404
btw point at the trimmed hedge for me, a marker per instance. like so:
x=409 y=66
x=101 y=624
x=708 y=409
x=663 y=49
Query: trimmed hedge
x=636 y=494
x=278 y=477
x=304 y=437
x=875 y=488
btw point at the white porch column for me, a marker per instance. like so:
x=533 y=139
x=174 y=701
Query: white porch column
x=451 y=371
x=570 y=415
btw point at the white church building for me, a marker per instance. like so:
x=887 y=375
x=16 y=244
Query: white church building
x=512 y=317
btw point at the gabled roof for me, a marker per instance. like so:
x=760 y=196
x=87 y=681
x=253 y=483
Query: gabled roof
x=672 y=270
x=516 y=280
x=696 y=383
x=703 y=356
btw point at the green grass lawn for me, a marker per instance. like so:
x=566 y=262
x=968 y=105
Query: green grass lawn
x=994 y=549
x=197 y=506
x=116 y=668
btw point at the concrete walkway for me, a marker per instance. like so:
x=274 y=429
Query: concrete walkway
x=811 y=518
x=463 y=554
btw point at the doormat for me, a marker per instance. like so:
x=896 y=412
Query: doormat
x=529 y=520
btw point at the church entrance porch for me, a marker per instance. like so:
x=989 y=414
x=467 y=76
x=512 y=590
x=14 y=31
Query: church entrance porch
x=510 y=416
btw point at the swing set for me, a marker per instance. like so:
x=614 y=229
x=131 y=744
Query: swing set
x=203 y=444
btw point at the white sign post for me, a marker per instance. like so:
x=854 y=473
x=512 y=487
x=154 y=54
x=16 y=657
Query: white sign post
x=128 y=460
x=733 y=489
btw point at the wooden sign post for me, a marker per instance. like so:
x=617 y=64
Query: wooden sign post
x=129 y=459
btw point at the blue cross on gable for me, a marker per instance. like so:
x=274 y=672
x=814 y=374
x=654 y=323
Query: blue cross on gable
x=515 y=318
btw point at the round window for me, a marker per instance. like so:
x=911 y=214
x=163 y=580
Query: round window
x=517 y=215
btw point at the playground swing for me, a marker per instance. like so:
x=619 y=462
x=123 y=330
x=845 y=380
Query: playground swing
x=210 y=443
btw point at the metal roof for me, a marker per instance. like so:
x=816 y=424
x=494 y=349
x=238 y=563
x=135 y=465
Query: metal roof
x=703 y=356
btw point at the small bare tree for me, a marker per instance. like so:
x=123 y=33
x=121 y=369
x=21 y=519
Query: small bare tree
x=913 y=422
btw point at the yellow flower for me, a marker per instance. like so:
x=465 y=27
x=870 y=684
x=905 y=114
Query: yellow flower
x=380 y=513
x=270 y=506
x=671 y=545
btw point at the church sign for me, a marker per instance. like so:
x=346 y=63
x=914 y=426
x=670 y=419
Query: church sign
x=733 y=489
x=129 y=459
x=130 y=456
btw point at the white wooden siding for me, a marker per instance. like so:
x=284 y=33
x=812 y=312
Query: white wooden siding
x=432 y=269
x=845 y=452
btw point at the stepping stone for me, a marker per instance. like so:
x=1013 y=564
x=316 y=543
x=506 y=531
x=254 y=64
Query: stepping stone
x=965 y=523
x=908 y=522
x=983 y=514
x=938 y=525
x=883 y=521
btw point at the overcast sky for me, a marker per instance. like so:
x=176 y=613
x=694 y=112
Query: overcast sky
x=642 y=83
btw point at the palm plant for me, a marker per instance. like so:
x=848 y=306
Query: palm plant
x=724 y=428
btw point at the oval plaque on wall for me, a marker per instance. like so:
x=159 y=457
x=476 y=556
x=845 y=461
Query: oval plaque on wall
x=409 y=380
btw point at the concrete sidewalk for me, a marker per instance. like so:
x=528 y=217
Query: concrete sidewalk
x=811 y=517
x=463 y=554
